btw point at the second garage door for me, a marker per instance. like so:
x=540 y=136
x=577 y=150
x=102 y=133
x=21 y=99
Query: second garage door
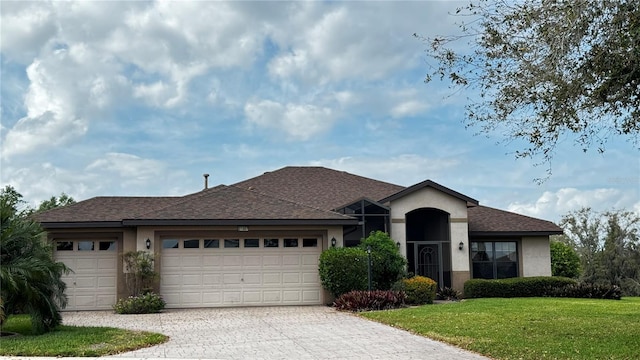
x=240 y=272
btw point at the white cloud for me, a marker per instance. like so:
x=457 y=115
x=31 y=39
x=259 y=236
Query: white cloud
x=404 y=169
x=130 y=170
x=26 y=27
x=299 y=121
x=554 y=204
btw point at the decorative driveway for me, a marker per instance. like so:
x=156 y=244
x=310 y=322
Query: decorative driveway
x=292 y=332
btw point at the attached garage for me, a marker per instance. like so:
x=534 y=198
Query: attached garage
x=252 y=271
x=92 y=283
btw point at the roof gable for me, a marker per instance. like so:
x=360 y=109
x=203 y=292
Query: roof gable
x=319 y=187
x=428 y=184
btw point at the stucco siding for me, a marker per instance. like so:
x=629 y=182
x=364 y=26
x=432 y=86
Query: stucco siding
x=460 y=258
x=536 y=256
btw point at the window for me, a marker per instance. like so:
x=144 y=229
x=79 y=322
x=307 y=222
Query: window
x=231 y=243
x=494 y=259
x=290 y=242
x=271 y=243
x=85 y=245
x=309 y=242
x=211 y=243
x=251 y=243
x=192 y=244
x=64 y=246
x=170 y=243
x=107 y=246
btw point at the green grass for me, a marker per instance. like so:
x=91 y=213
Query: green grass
x=528 y=328
x=72 y=340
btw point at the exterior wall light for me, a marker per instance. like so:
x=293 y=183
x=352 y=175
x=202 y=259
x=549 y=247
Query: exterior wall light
x=398 y=244
x=333 y=242
x=148 y=243
x=461 y=245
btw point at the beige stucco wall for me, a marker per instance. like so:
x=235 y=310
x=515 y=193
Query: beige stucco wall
x=535 y=256
x=432 y=198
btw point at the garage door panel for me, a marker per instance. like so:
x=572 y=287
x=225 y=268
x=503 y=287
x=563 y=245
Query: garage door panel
x=232 y=297
x=169 y=279
x=291 y=296
x=251 y=297
x=211 y=279
x=107 y=264
x=191 y=298
x=290 y=259
x=271 y=296
x=271 y=260
x=232 y=260
x=310 y=260
x=212 y=298
x=211 y=261
x=291 y=278
x=106 y=281
x=192 y=279
x=271 y=278
x=311 y=296
x=233 y=278
x=252 y=279
x=85 y=264
x=310 y=278
x=171 y=261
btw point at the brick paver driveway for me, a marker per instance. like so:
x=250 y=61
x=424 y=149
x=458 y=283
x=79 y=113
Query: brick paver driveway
x=294 y=332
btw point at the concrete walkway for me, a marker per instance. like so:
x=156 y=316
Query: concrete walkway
x=304 y=332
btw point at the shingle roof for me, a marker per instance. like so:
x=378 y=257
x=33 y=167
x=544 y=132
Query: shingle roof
x=291 y=195
x=234 y=203
x=319 y=187
x=104 y=209
x=484 y=220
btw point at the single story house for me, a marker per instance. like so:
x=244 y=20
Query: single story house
x=257 y=242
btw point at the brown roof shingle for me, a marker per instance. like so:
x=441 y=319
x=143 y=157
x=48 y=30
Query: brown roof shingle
x=319 y=187
x=104 y=209
x=487 y=221
x=234 y=203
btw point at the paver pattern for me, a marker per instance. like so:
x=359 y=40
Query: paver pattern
x=291 y=332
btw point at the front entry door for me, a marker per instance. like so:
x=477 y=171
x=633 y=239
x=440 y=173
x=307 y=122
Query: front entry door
x=427 y=260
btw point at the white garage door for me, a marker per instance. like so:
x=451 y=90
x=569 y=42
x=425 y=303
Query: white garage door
x=240 y=272
x=92 y=283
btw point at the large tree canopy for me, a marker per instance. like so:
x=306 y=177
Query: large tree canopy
x=546 y=70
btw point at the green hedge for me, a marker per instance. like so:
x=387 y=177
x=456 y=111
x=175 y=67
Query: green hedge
x=515 y=287
x=419 y=289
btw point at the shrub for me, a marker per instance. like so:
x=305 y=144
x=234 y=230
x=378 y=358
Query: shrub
x=588 y=290
x=419 y=289
x=564 y=260
x=448 y=293
x=514 y=287
x=148 y=303
x=343 y=270
x=370 y=300
x=388 y=265
x=140 y=273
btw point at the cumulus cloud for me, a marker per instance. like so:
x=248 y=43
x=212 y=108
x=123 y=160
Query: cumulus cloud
x=403 y=169
x=131 y=170
x=298 y=121
x=554 y=204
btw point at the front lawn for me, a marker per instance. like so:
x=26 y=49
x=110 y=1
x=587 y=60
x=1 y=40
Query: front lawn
x=72 y=341
x=528 y=328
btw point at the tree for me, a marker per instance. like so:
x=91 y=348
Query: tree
x=388 y=265
x=30 y=280
x=54 y=202
x=608 y=244
x=546 y=69
x=564 y=259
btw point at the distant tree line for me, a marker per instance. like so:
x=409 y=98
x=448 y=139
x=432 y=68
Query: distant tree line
x=599 y=248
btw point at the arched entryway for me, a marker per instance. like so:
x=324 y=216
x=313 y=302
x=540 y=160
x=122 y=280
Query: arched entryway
x=429 y=244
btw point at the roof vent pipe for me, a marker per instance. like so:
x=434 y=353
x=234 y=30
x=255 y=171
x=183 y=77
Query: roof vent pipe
x=206 y=181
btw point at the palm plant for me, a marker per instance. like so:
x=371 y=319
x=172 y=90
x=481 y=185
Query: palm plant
x=30 y=280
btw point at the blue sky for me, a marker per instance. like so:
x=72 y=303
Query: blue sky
x=142 y=98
